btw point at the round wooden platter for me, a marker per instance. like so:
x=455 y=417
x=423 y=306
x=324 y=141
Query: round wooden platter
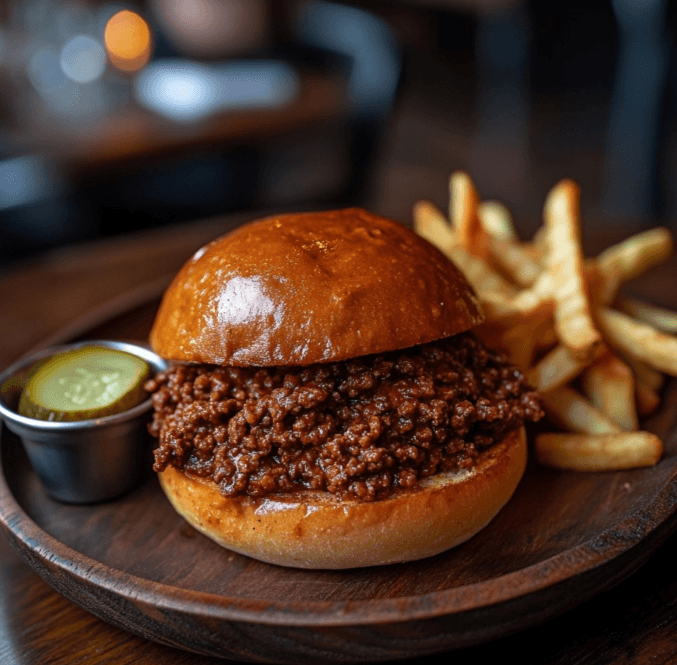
x=136 y=564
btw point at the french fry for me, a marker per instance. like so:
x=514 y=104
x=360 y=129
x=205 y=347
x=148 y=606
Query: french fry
x=638 y=253
x=520 y=344
x=555 y=369
x=481 y=276
x=496 y=220
x=606 y=452
x=533 y=251
x=639 y=340
x=513 y=260
x=430 y=223
x=648 y=400
x=648 y=383
x=645 y=374
x=564 y=264
x=514 y=336
x=571 y=411
x=500 y=307
x=550 y=310
x=610 y=385
x=539 y=245
x=498 y=298
x=658 y=317
x=539 y=294
x=632 y=257
x=464 y=215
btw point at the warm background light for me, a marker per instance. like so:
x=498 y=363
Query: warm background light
x=214 y=28
x=128 y=41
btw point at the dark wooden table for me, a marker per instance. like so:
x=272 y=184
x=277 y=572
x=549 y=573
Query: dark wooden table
x=636 y=622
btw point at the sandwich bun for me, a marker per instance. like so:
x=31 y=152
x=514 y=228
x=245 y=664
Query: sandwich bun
x=308 y=529
x=307 y=288
x=301 y=289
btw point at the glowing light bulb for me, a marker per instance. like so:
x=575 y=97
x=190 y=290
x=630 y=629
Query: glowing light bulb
x=128 y=41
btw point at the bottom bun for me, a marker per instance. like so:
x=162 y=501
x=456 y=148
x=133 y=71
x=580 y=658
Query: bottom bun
x=308 y=529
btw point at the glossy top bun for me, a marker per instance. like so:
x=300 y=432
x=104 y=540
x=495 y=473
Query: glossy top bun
x=309 y=529
x=314 y=287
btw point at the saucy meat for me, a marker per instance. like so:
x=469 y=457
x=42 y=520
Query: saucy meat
x=358 y=428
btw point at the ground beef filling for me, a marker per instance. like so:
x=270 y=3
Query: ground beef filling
x=358 y=429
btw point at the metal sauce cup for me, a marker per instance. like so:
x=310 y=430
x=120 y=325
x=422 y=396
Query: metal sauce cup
x=83 y=461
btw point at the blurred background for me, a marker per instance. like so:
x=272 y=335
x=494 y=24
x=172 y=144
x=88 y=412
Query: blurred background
x=123 y=116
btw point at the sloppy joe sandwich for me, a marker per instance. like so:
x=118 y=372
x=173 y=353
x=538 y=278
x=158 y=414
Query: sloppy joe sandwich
x=328 y=405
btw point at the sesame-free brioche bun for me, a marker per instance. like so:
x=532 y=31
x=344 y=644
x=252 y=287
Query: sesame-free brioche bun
x=315 y=287
x=308 y=529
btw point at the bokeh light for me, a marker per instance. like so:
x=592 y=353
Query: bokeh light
x=25 y=180
x=128 y=41
x=45 y=72
x=83 y=59
x=183 y=91
x=214 y=28
x=187 y=91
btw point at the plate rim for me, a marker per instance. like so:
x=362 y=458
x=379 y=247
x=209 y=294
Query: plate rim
x=28 y=536
x=24 y=531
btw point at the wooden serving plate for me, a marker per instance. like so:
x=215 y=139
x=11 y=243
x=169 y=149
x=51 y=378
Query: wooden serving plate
x=136 y=564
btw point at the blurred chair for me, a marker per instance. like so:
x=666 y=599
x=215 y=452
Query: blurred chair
x=374 y=62
x=500 y=148
x=632 y=144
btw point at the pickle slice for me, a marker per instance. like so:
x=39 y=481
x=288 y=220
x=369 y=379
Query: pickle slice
x=89 y=382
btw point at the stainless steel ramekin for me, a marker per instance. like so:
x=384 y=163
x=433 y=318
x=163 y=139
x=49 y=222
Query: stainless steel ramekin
x=84 y=461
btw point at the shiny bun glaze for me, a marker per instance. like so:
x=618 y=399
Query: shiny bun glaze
x=309 y=529
x=322 y=287
x=315 y=287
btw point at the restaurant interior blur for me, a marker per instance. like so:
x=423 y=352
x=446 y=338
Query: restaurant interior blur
x=116 y=117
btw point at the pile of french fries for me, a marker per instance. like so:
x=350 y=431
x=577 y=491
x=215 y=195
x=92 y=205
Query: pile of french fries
x=598 y=358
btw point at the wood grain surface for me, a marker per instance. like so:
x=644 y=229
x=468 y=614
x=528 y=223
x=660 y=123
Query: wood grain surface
x=633 y=622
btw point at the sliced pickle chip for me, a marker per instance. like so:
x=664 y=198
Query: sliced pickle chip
x=89 y=382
